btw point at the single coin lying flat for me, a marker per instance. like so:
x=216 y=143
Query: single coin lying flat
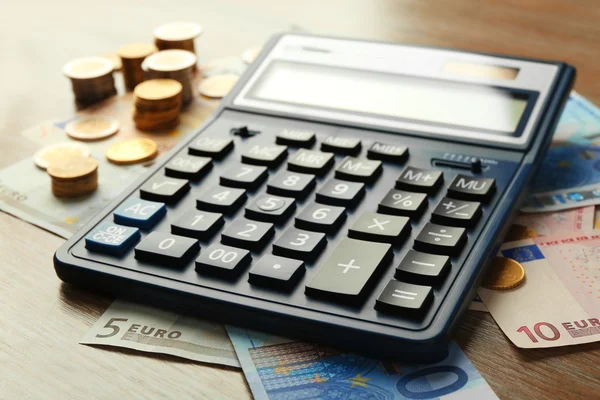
x=92 y=128
x=44 y=157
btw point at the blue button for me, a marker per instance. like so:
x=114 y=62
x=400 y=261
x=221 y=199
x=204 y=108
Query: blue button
x=141 y=213
x=112 y=238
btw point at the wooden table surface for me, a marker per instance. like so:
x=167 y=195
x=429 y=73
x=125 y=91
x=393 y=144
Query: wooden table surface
x=41 y=319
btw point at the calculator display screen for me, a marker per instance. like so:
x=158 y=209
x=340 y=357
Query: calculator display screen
x=435 y=101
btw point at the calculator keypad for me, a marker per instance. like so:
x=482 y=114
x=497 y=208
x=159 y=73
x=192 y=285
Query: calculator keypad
x=472 y=188
x=291 y=184
x=340 y=193
x=221 y=199
x=139 y=213
x=269 y=156
x=303 y=245
x=166 y=249
x=223 y=261
x=456 y=212
x=311 y=162
x=247 y=234
x=188 y=167
x=341 y=145
x=398 y=202
x=214 y=147
x=404 y=298
x=380 y=228
x=165 y=189
x=276 y=272
x=321 y=218
x=358 y=169
x=440 y=239
x=244 y=176
x=198 y=224
x=269 y=208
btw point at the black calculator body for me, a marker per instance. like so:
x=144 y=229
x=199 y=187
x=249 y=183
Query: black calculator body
x=345 y=192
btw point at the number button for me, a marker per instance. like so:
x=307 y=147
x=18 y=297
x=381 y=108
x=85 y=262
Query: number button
x=111 y=238
x=321 y=218
x=269 y=156
x=251 y=235
x=166 y=249
x=340 y=193
x=291 y=184
x=198 y=224
x=420 y=180
x=456 y=212
x=388 y=152
x=188 y=167
x=397 y=202
x=296 y=138
x=164 y=189
x=380 y=228
x=276 y=272
x=221 y=199
x=341 y=145
x=245 y=176
x=358 y=169
x=271 y=208
x=312 y=162
x=223 y=261
x=470 y=188
x=213 y=147
x=439 y=239
x=404 y=298
x=299 y=244
x=140 y=213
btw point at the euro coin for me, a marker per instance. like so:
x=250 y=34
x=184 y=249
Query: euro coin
x=92 y=128
x=72 y=168
x=217 y=86
x=504 y=273
x=178 y=31
x=132 y=151
x=170 y=60
x=135 y=51
x=50 y=154
x=158 y=89
x=88 y=68
x=519 y=232
x=249 y=55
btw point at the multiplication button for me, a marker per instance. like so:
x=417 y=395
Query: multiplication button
x=440 y=239
x=112 y=238
x=420 y=180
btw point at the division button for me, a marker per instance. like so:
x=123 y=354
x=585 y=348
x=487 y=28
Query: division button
x=166 y=249
x=188 y=167
x=164 y=189
x=244 y=176
x=440 y=239
x=140 y=213
x=423 y=268
x=111 y=238
x=198 y=224
x=269 y=208
x=358 y=169
x=291 y=184
x=213 y=147
x=269 y=156
x=321 y=218
x=404 y=298
x=221 y=199
x=223 y=261
x=420 y=180
x=341 y=145
x=310 y=161
x=350 y=269
x=302 y=245
x=471 y=188
x=250 y=235
x=340 y=193
x=388 y=152
x=380 y=228
x=276 y=272
x=397 y=202
x=456 y=213
x=296 y=138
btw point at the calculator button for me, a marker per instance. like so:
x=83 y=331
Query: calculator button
x=198 y=224
x=388 y=152
x=188 y=167
x=471 y=188
x=269 y=156
x=296 y=138
x=310 y=161
x=341 y=145
x=456 y=212
x=140 y=213
x=268 y=208
x=358 y=169
x=340 y=193
x=213 y=147
x=224 y=261
x=164 y=189
x=349 y=270
x=321 y=218
x=380 y=228
x=397 y=202
x=420 y=180
x=291 y=184
x=439 y=239
x=166 y=249
x=302 y=245
x=221 y=199
x=404 y=298
x=244 y=131
x=245 y=176
x=251 y=235
x=111 y=238
x=276 y=272
x=423 y=268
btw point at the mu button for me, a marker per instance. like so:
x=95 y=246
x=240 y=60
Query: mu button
x=471 y=188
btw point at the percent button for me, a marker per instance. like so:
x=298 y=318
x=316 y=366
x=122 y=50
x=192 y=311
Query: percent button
x=398 y=202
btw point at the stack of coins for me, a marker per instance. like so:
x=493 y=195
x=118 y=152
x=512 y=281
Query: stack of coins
x=173 y=64
x=91 y=78
x=132 y=56
x=157 y=104
x=177 y=35
x=73 y=176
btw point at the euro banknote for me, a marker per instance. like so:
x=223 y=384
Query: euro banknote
x=549 y=223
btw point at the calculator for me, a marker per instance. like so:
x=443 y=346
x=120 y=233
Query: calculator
x=346 y=192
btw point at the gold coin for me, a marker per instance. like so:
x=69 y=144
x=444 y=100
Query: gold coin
x=136 y=50
x=170 y=60
x=218 y=86
x=178 y=31
x=249 y=55
x=114 y=59
x=92 y=128
x=132 y=151
x=158 y=89
x=49 y=154
x=504 y=273
x=88 y=68
x=519 y=232
x=72 y=168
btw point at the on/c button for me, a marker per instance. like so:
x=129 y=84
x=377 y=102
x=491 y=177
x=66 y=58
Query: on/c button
x=112 y=238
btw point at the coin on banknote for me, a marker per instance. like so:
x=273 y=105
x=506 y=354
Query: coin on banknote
x=519 y=232
x=73 y=177
x=249 y=55
x=92 y=128
x=47 y=155
x=504 y=273
x=132 y=151
x=217 y=86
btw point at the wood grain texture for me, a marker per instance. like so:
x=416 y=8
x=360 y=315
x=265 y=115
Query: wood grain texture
x=42 y=320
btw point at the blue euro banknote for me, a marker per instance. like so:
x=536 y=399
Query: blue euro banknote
x=277 y=368
x=570 y=174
